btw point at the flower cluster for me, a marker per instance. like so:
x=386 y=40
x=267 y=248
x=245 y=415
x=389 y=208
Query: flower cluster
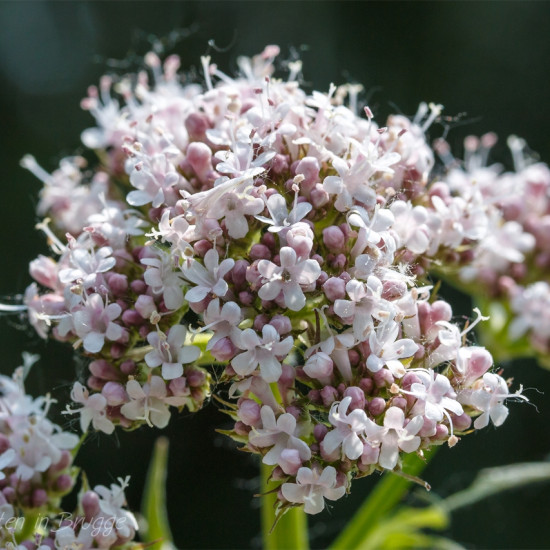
x=285 y=237
x=36 y=471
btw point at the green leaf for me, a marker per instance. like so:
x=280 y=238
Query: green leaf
x=289 y=532
x=153 y=505
x=495 y=480
x=387 y=494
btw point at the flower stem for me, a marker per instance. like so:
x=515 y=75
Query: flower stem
x=290 y=531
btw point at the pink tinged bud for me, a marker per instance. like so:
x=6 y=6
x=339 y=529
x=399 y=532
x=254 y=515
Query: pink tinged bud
x=319 y=432
x=309 y=168
x=480 y=362
x=357 y=398
x=290 y=461
x=65 y=460
x=63 y=483
x=318 y=196
x=119 y=350
x=377 y=406
x=223 y=350
x=441 y=431
x=132 y=318
x=269 y=240
x=353 y=357
x=95 y=383
x=335 y=289
x=196 y=378
x=281 y=323
x=128 y=367
x=329 y=395
x=138 y=286
x=241 y=428
x=334 y=238
x=400 y=402
x=90 y=505
x=428 y=428
x=441 y=311
x=202 y=247
x=115 y=394
x=370 y=454
x=253 y=275
x=462 y=422
x=260 y=252
x=238 y=273
x=286 y=380
x=314 y=396
x=408 y=380
x=319 y=367
x=199 y=156
x=383 y=378
x=246 y=298
x=178 y=387
x=279 y=475
x=39 y=498
x=196 y=125
x=392 y=290
x=279 y=164
x=366 y=384
x=249 y=412
x=260 y=321
x=118 y=284
x=44 y=271
x=420 y=352
x=294 y=411
x=339 y=262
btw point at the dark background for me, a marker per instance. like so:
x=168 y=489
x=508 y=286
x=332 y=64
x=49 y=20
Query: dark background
x=488 y=60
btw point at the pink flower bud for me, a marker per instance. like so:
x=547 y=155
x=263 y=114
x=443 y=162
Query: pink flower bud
x=178 y=387
x=44 y=271
x=318 y=196
x=329 y=395
x=196 y=125
x=319 y=366
x=238 y=273
x=128 y=367
x=199 y=156
x=260 y=252
x=39 y=498
x=309 y=168
x=241 y=428
x=132 y=317
x=319 y=432
x=370 y=454
x=223 y=350
x=115 y=394
x=290 y=461
x=249 y=412
x=281 y=323
x=118 y=283
x=196 y=378
x=462 y=422
x=138 y=286
x=393 y=290
x=357 y=397
x=90 y=505
x=333 y=238
x=377 y=406
x=279 y=164
x=4 y=443
x=260 y=321
x=366 y=384
x=428 y=428
x=335 y=289
x=63 y=483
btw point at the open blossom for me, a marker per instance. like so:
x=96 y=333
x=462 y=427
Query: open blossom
x=348 y=428
x=170 y=352
x=162 y=279
x=279 y=434
x=394 y=435
x=93 y=409
x=208 y=278
x=265 y=353
x=289 y=278
x=312 y=487
x=94 y=323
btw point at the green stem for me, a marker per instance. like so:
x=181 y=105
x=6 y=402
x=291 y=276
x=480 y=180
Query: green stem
x=386 y=495
x=290 y=532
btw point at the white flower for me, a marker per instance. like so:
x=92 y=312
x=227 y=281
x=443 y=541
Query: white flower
x=94 y=409
x=170 y=351
x=280 y=217
x=490 y=400
x=279 y=434
x=387 y=351
x=394 y=435
x=94 y=322
x=162 y=278
x=312 y=487
x=87 y=265
x=209 y=279
x=264 y=352
x=293 y=274
x=348 y=427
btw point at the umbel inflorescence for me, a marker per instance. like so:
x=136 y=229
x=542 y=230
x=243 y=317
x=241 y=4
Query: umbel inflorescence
x=283 y=238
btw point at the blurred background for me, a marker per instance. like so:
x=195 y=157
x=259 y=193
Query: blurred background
x=487 y=62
